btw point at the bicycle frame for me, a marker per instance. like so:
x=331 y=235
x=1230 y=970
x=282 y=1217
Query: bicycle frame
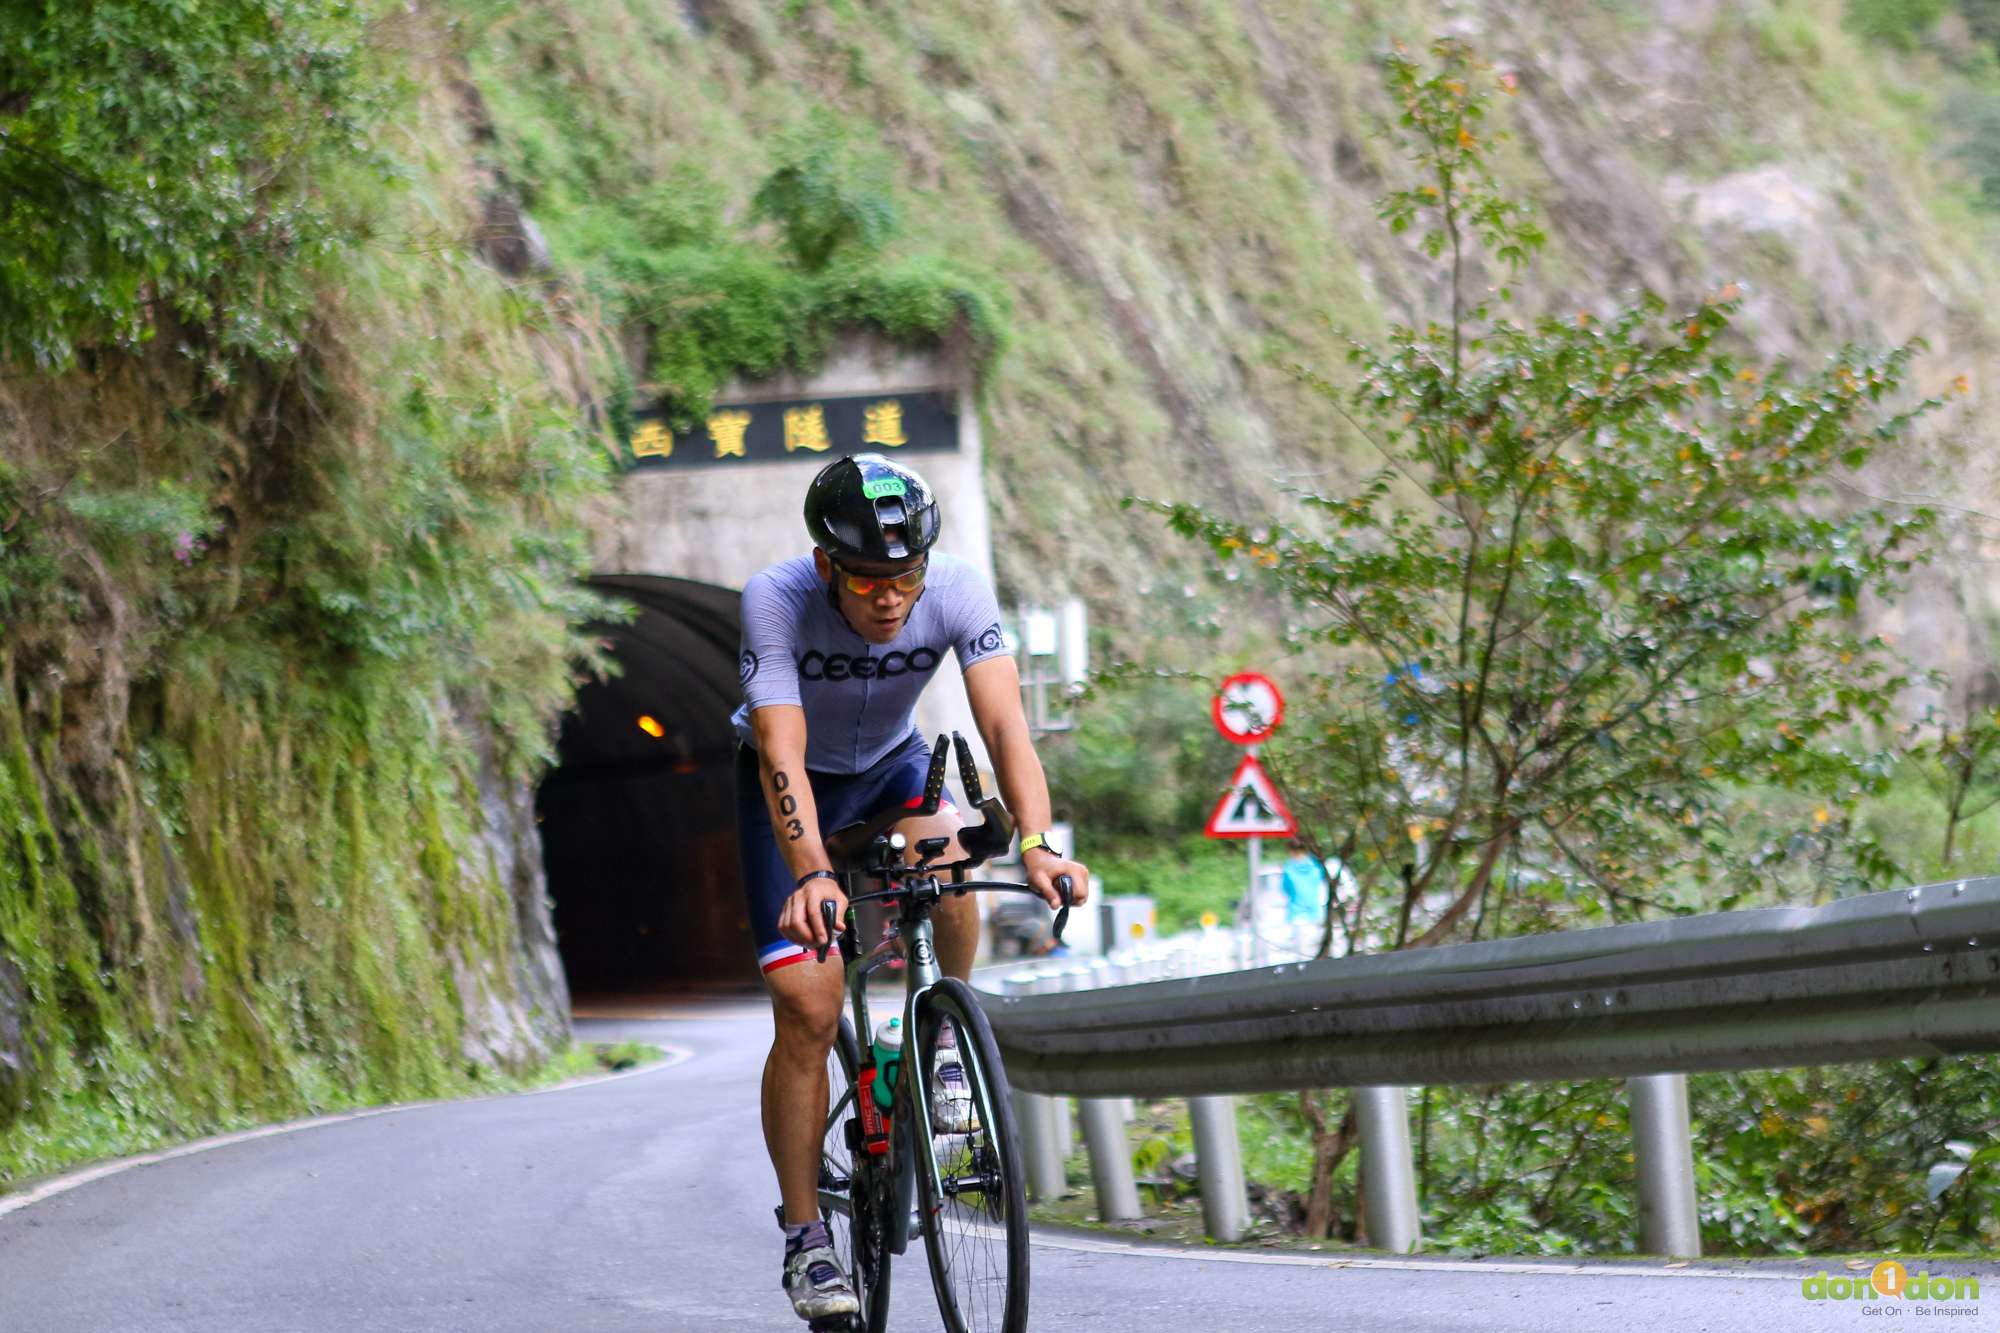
x=918 y=888
x=869 y=853
x=912 y=1113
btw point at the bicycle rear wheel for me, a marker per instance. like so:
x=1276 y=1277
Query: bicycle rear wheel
x=852 y=1185
x=975 y=1209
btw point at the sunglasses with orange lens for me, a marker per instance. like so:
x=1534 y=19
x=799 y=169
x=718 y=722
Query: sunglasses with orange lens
x=867 y=585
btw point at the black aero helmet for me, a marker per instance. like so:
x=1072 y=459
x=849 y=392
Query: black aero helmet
x=867 y=508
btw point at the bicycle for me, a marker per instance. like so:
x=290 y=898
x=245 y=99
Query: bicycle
x=968 y=1184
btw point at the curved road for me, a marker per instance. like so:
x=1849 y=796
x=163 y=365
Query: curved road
x=642 y=1202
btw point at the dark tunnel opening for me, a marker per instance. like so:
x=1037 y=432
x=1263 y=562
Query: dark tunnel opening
x=638 y=817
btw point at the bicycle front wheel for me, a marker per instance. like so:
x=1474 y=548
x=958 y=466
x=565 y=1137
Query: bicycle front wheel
x=975 y=1205
x=852 y=1185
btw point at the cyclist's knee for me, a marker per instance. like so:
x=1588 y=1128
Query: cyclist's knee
x=957 y=913
x=944 y=823
x=805 y=1012
x=810 y=1027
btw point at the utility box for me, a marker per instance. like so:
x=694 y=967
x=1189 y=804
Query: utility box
x=1126 y=919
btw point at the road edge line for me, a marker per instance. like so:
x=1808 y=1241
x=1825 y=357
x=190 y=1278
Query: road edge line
x=63 y=1184
x=1090 y=1245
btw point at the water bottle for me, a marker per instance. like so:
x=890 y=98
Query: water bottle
x=888 y=1060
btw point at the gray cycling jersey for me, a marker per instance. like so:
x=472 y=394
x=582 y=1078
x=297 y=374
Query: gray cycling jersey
x=860 y=698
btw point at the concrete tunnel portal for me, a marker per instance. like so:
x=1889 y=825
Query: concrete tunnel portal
x=638 y=819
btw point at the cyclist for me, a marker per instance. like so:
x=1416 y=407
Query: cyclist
x=837 y=645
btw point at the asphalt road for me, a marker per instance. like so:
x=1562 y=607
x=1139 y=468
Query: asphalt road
x=643 y=1202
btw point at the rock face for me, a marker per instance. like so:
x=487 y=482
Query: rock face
x=16 y=1059
x=510 y=240
x=1182 y=204
x=516 y=1006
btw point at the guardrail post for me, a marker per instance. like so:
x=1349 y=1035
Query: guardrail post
x=1110 y=1159
x=1219 y=1159
x=1388 y=1180
x=1663 y=1150
x=1040 y=1145
x=1044 y=1135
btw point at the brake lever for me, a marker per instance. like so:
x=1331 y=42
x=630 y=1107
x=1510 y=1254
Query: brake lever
x=1068 y=892
x=826 y=916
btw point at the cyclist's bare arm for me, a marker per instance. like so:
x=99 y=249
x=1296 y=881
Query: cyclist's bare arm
x=993 y=689
x=781 y=761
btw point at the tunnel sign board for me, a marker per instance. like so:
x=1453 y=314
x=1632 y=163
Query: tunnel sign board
x=734 y=434
x=1251 y=807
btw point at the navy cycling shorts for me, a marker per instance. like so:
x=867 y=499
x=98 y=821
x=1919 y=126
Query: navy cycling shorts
x=897 y=778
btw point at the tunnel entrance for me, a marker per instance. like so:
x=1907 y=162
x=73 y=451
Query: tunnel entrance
x=638 y=818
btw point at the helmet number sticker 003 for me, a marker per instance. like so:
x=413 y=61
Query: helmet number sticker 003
x=881 y=486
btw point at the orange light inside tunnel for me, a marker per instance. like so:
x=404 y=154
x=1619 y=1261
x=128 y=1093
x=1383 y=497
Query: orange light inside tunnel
x=651 y=726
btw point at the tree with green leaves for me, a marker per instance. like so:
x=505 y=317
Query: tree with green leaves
x=719 y=303
x=158 y=165
x=1600 y=582
x=1958 y=757
x=826 y=194
x=1600 y=586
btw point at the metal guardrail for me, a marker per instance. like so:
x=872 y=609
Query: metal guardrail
x=1915 y=972
x=1909 y=973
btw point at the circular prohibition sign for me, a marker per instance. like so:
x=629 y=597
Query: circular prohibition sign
x=1248 y=708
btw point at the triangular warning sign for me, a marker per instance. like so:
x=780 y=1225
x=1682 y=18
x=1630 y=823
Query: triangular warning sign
x=1251 y=807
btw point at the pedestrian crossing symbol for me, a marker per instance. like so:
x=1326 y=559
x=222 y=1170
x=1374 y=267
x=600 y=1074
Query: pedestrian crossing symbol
x=1251 y=806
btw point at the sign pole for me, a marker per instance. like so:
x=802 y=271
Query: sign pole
x=1247 y=709
x=1256 y=841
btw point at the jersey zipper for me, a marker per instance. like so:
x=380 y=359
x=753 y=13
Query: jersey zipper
x=861 y=713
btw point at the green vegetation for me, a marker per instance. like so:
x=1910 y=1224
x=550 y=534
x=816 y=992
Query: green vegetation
x=159 y=164
x=1898 y=22
x=1975 y=119
x=94 y=1127
x=1144 y=290
x=716 y=300
x=290 y=521
x=294 y=488
x=1139 y=778
x=1824 y=1161
x=1965 y=36
x=1581 y=648
x=1596 y=584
